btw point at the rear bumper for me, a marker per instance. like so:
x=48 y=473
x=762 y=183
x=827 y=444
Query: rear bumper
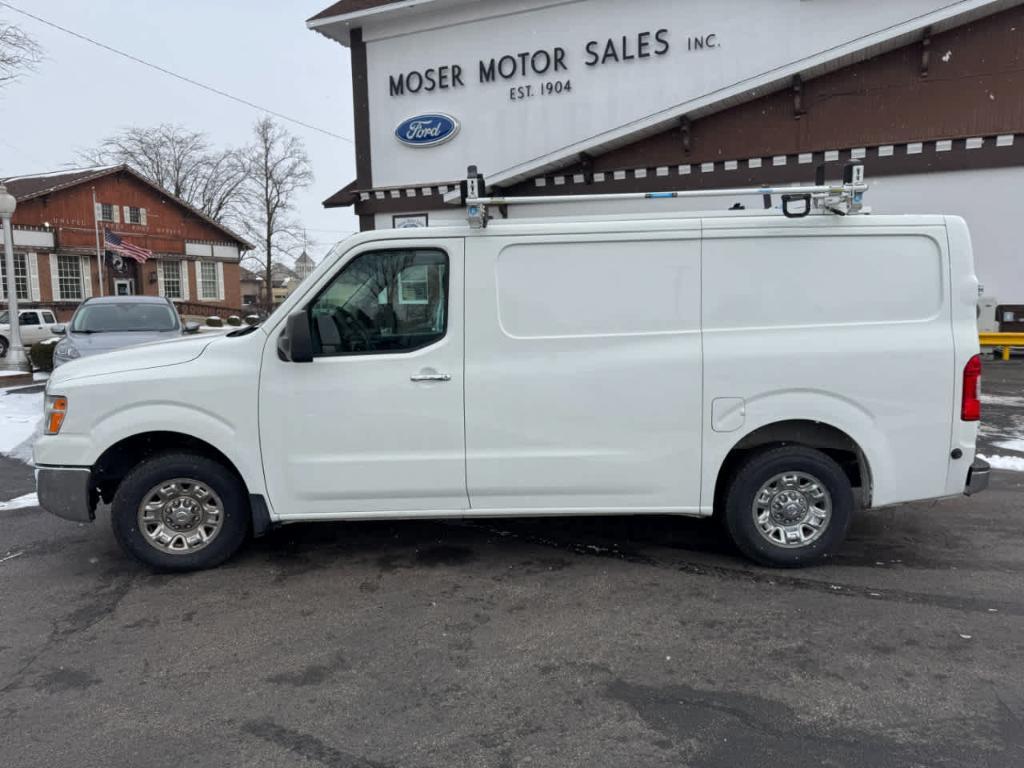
x=977 y=477
x=67 y=492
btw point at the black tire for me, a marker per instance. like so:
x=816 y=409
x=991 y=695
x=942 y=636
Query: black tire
x=236 y=518
x=3 y=347
x=759 y=469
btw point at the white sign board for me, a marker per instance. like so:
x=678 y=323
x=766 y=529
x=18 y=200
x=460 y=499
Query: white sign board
x=529 y=85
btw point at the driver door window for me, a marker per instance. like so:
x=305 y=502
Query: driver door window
x=383 y=302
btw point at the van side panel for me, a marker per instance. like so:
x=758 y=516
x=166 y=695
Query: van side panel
x=583 y=377
x=964 y=308
x=844 y=323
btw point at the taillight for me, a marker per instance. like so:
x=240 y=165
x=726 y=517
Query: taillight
x=970 y=407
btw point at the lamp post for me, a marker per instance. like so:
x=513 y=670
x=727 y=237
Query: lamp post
x=16 y=359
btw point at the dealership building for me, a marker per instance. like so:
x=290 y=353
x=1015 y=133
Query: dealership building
x=600 y=96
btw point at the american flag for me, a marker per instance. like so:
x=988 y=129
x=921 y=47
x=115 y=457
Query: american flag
x=117 y=244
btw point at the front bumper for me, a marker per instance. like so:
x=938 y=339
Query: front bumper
x=977 y=477
x=67 y=492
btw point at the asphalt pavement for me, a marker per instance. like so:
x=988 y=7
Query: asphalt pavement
x=585 y=641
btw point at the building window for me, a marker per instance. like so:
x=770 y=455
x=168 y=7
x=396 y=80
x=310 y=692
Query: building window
x=134 y=215
x=209 y=287
x=413 y=285
x=69 y=278
x=106 y=212
x=172 y=279
x=20 y=276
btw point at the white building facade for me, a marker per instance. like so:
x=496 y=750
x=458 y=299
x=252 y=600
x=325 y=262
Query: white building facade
x=599 y=96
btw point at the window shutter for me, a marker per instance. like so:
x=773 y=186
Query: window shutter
x=160 y=278
x=142 y=216
x=98 y=213
x=32 y=260
x=87 y=277
x=220 y=280
x=127 y=215
x=184 y=280
x=54 y=279
x=117 y=213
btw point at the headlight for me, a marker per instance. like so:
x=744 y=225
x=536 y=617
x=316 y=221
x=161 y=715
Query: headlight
x=66 y=350
x=54 y=411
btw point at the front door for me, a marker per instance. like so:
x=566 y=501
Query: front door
x=31 y=327
x=375 y=423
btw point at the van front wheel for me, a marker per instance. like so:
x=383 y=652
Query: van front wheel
x=788 y=506
x=180 y=512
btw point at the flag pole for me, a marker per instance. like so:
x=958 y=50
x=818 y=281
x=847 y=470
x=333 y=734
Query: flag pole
x=96 y=226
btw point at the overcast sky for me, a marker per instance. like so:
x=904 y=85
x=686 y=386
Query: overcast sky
x=259 y=50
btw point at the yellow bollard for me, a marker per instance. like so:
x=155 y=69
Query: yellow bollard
x=1006 y=353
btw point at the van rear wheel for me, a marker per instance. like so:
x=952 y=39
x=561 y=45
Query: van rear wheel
x=788 y=506
x=180 y=512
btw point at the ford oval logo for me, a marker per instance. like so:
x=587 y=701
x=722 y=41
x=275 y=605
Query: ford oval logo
x=427 y=130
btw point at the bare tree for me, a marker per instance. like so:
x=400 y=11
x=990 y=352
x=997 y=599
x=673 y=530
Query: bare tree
x=277 y=169
x=19 y=53
x=181 y=161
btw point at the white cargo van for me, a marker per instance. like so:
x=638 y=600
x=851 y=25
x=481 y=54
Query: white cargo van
x=777 y=371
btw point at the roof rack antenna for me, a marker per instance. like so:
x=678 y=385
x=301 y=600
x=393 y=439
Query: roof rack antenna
x=797 y=201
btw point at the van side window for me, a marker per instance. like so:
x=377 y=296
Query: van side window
x=383 y=302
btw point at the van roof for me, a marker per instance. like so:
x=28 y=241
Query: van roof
x=653 y=222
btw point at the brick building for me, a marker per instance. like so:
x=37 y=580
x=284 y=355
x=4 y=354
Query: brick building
x=195 y=260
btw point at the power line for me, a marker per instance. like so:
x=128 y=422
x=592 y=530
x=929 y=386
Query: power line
x=183 y=78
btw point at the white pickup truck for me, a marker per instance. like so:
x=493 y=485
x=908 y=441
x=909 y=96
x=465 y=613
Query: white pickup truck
x=776 y=371
x=34 y=324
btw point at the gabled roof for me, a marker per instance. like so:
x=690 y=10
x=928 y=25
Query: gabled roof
x=37 y=185
x=345 y=7
x=27 y=187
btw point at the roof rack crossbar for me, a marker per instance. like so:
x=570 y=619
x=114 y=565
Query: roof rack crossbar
x=798 y=201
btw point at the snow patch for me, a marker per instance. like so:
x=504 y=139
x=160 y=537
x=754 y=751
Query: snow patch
x=28 y=500
x=1017 y=444
x=1012 y=401
x=1011 y=463
x=21 y=419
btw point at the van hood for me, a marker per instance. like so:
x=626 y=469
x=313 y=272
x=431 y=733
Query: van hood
x=157 y=354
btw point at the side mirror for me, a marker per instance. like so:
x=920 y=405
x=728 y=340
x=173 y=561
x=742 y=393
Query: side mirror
x=295 y=344
x=191 y=327
x=60 y=329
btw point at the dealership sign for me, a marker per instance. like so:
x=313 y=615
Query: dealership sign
x=427 y=130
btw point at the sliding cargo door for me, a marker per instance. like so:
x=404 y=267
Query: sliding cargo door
x=583 y=372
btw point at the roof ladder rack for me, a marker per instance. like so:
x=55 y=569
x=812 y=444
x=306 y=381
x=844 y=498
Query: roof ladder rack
x=798 y=201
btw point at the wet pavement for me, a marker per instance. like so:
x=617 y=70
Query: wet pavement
x=585 y=641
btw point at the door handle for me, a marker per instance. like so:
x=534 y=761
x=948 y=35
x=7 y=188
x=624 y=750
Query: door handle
x=430 y=377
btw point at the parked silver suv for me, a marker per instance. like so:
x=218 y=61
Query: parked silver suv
x=111 y=322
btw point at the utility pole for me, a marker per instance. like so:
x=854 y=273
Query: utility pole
x=16 y=358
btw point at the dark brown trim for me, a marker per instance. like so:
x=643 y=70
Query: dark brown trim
x=361 y=113
x=929 y=160
x=403 y=204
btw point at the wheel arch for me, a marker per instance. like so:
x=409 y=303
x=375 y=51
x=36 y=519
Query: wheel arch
x=118 y=459
x=825 y=437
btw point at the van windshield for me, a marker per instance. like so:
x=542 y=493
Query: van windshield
x=124 y=317
x=3 y=317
